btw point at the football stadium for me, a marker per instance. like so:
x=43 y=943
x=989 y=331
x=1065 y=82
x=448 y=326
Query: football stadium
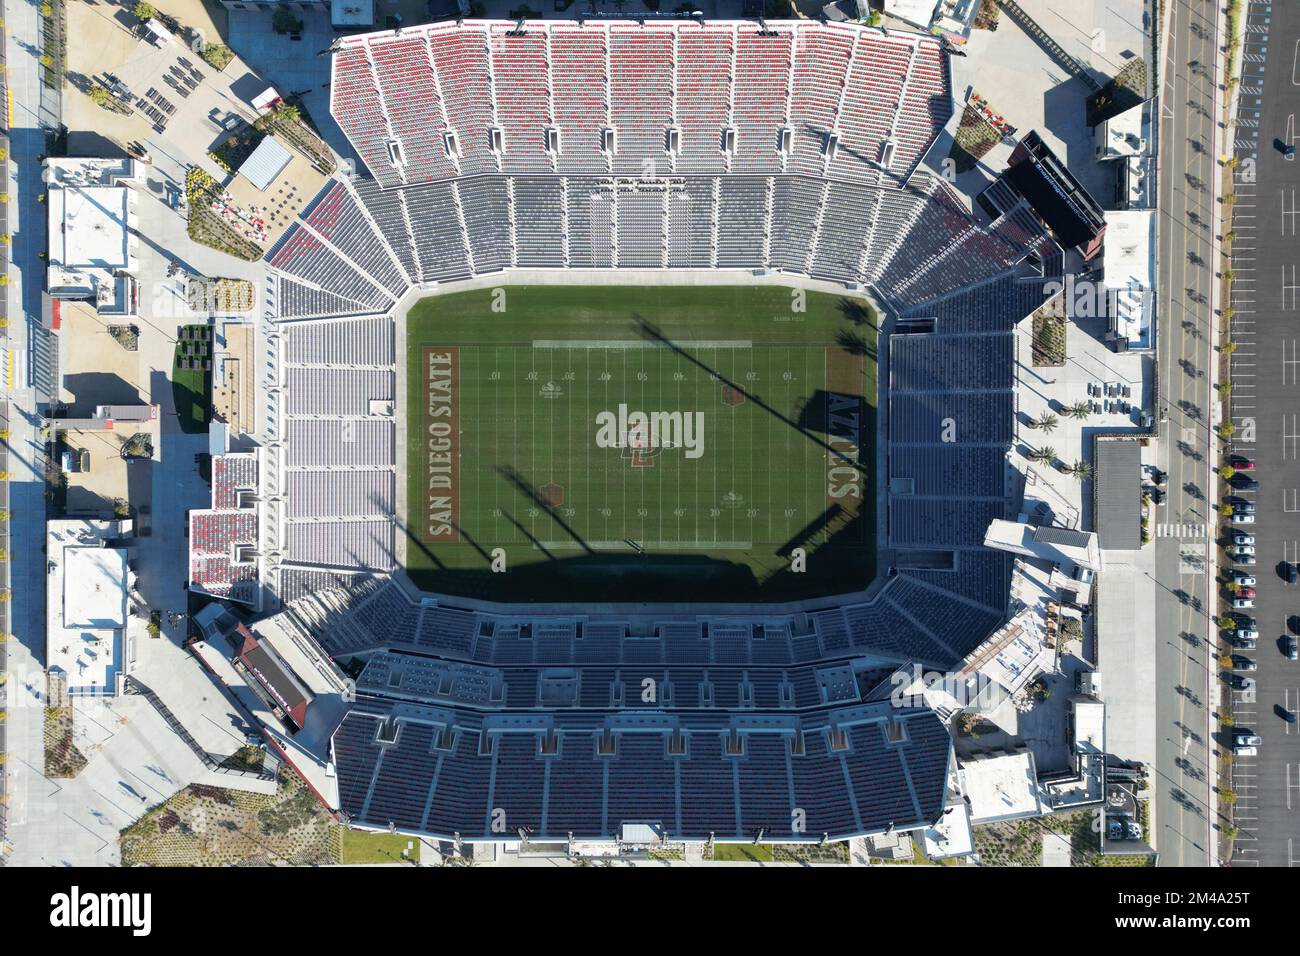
x=612 y=325
x=634 y=449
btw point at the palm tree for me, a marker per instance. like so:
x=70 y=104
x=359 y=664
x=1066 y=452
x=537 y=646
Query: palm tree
x=1048 y=423
x=1081 y=470
x=1079 y=410
x=1046 y=453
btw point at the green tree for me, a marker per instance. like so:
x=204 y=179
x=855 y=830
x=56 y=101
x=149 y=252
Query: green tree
x=144 y=11
x=1079 y=410
x=1081 y=470
x=1048 y=423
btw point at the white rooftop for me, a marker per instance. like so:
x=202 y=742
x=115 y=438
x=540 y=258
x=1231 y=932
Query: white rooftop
x=918 y=13
x=1089 y=725
x=86 y=604
x=1129 y=264
x=952 y=835
x=1003 y=787
x=94 y=587
x=1020 y=537
x=88 y=227
x=1122 y=135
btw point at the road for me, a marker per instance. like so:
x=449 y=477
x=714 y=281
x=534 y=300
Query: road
x=1184 y=811
x=1265 y=411
x=27 y=225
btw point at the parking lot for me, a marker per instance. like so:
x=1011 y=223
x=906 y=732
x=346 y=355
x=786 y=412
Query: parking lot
x=1265 y=411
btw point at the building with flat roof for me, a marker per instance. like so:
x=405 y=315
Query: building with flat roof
x=1129 y=265
x=87 y=583
x=1118 y=493
x=91 y=211
x=1066 y=547
x=1001 y=787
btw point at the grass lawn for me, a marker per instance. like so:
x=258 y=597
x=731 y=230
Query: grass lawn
x=359 y=846
x=742 y=852
x=524 y=436
x=192 y=386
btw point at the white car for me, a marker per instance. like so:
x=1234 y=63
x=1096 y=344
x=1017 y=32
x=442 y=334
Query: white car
x=1248 y=740
x=1243 y=519
x=1247 y=634
x=1245 y=580
x=1242 y=603
x=1244 y=751
x=1241 y=538
x=1244 y=549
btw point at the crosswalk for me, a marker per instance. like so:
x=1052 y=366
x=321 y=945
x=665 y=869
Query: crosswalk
x=1169 y=530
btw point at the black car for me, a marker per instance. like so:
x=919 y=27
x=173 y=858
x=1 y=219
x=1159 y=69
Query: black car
x=1243 y=482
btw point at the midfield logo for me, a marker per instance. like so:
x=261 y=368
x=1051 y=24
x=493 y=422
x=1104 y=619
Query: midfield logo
x=642 y=431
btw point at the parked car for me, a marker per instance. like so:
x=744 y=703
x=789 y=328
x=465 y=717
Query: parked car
x=1247 y=740
x=1242 y=579
x=1243 y=664
x=1241 y=463
x=1241 y=537
x=1246 y=592
x=1242 y=518
x=1242 y=603
x=1244 y=559
x=1243 y=482
x=1244 y=751
x=1290 y=648
x=1244 y=507
x=1245 y=639
x=1244 y=549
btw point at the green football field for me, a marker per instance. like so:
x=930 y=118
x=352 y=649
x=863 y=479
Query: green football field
x=640 y=443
